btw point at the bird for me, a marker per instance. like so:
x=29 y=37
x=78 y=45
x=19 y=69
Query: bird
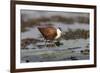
x=50 y=33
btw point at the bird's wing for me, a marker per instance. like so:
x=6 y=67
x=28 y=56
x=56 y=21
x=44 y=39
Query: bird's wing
x=48 y=33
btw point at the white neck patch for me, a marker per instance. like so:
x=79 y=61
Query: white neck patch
x=58 y=34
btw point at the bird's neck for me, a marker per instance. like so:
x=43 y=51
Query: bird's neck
x=58 y=34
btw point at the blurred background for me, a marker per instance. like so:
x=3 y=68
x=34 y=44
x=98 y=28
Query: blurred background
x=74 y=40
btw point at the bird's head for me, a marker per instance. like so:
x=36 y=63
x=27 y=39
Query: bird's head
x=60 y=28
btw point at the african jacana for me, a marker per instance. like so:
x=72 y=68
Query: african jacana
x=50 y=33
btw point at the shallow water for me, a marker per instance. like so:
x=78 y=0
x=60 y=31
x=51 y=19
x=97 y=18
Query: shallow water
x=70 y=50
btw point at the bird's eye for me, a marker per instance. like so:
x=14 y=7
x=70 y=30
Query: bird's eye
x=60 y=28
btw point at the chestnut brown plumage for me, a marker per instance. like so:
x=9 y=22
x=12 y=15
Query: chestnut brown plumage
x=49 y=33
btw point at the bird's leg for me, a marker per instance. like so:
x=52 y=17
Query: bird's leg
x=55 y=44
x=46 y=43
